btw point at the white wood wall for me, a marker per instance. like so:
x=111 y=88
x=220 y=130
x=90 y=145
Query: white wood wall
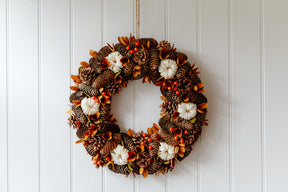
x=241 y=47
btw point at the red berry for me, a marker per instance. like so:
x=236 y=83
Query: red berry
x=171 y=129
x=150 y=147
x=176 y=138
x=186 y=132
x=144 y=134
x=149 y=139
x=131 y=51
x=169 y=88
x=93 y=97
x=107 y=97
x=98 y=162
x=136 y=49
x=104 y=93
x=177 y=92
x=97 y=101
x=182 y=141
x=137 y=43
x=175 y=88
x=142 y=143
x=108 y=158
x=175 y=82
x=128 y=48
x=95 y=162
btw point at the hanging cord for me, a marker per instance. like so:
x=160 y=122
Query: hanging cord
x=137 y=19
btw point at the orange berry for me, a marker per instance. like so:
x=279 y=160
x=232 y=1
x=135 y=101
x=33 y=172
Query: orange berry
x=131 y=51
x=104 y=93
x=108 y=158
x=142 y=143
x=137 y=43
x=136 y=49
x=169 y=88
x=149 y=139
x=182 y=141
x=177 y=92
x=175 y=82
x=128 y=48
x=175 y=88
x=97 y=101
x=176 y=138
x=98 y=162
x=107 y=97
x=95 y=162
x=150 y=147
x=171 y=129
x=186 y=132
x=144 y=134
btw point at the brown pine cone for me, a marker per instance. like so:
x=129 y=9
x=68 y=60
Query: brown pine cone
x=79 y=114
x=122 y=50
x=79 y=95
x=194 y=77
x=103 y=79
x=165 y=169
x=138 y=138
x=95 y=145
x=122 y=169
x=154 y=167
x=201 y=99
x=141 y=56
x=113 y=88
x=143 y=41
x=144 y=159
x=72 y=121
x=193 y=134
x=193 y=97
x=94 y=65
x=80 y=131
x=183 y=124
x=87 y=75
x=182 y=70
x=127 y=71
x=201 y=117
x=166 y=124
x=107 y=126
x=154 y=144
x=128 y=142
x=109 y=146
x=172 y=96
x=104 y=52
x=104 y=111
x=154 y=62
x=89 y=90
x=169 y=108
x=163 y=44
x=168 y=138
x=134 y=166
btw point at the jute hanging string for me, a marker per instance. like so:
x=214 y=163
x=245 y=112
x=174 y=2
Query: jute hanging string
x=183 y=110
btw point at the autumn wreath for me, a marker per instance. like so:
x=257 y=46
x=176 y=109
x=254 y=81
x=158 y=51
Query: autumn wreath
x=183 y=110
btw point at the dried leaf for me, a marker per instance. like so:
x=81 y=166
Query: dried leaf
x=74 y=88
x=69 y=111
x=84 y=64
x=203 y=106
x=93 y=53
x=130 y=132
x=163 y=98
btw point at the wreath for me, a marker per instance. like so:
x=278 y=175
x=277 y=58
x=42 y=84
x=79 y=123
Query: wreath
x=183 y=110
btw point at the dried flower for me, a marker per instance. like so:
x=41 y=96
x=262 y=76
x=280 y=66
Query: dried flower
x=89 y=106
x=187 y=110
x=168 y=68
x=166 y=152
x=114 y=60
x=119 y=155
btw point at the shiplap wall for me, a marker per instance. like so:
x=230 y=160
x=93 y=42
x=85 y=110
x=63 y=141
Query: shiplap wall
x=241 y=47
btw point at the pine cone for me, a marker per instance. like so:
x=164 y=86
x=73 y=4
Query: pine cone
x=122 y=169
x=127 y=71
x=193 y=96
x=154 y=144
x=107 y=126
x=109 y=146
x=183 y=124
x=79 y=95
x=95 y=145
x=144 y=41
x=103 y=79
x=113 y=88
x=165 y=124
x=93 y=64
x=168 y=138
x=104 y=52
x=72 y=121
x=154 y=167
x=141 y=56
x=194 y=77
x=201 y=117
x=163 y=44
x=79 y=114
x=89 y=90
x=154 y=62
x=134 y=166
x=168 y=108
x=182 y=71
x=193 y=134
x=104 y=111
x=138 y=138
x=144 y=159
x=128 y=142
x=201 y=99
x=87 y=75
x=122 y=50
x=80 y=131
x=172 y=96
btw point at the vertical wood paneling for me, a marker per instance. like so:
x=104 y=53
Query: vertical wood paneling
x=275 y=94
x=147 y=96
x=214 y=148
x=245 y=95
x=23 y=96
x=184 y=36
x=118 y=21
x=3 y=97
x=54 y=66
x=86 y=35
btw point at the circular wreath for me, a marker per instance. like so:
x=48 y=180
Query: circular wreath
x=183 y=110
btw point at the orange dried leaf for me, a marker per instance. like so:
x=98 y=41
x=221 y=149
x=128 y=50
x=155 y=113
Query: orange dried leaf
x=203 y=106
x=163 y=98
x=145 y=173
x=76 y=102
x=130 y=132
x=75 y=77
x=200 y=85
x=78 y=141
x=201 y=91
x=74 y=88
x=69 y=111
x=84 y=64
x=93 y=53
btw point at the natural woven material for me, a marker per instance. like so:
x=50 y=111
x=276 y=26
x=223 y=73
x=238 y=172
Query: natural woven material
x=183 y=110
